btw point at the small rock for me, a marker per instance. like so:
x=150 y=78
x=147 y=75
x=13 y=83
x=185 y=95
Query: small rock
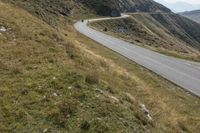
x=68 y=116
x=70 y=87
x=114 y=98
x=45 y=130
x=149 y=117
x=54 y=78
x=55 y=94
x=145 y=111
x=99 y=90
x=2 y=29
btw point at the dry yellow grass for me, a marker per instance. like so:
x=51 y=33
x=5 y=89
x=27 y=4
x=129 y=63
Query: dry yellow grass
x=43 y=84
x=170 y=105
x=146 y=31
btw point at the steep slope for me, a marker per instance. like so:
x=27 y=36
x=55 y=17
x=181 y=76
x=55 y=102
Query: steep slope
x=105 y=7
x=193 y=15
x=50 y=81
x=53 y=79
x=49 y=10
x=167 y=33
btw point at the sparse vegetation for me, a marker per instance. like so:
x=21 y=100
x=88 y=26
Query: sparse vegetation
x=43 y=86
x=166 y=33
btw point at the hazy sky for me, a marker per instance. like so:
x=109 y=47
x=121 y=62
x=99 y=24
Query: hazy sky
x=188 y=1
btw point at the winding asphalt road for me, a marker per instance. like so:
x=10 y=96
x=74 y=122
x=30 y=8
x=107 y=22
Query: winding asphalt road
x=184 y=73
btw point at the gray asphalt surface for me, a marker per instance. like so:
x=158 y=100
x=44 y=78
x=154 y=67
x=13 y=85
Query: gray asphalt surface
x=181 y=72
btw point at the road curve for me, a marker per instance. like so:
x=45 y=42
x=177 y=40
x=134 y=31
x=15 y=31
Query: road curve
x=181 y=72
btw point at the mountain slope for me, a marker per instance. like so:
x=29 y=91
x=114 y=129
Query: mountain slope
x=49 y=10
x=166 y=33
x=51 y=82
x=53 y=79
x=100 y=6
x=193 y=15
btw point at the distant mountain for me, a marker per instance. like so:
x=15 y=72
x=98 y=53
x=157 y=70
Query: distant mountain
x=193 y=15
x=180 y=6
x=183 y=6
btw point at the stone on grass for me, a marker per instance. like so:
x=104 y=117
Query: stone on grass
x=2 y=29
x=146 y=112
x=99 y=90
x=70 y=87
x=45 y=130
x=55 y=94
x=114 y=98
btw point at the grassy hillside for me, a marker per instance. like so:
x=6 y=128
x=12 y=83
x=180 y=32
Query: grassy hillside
x=50 y=82
x=167 y=33
x=52 y=79
x=50 y=10
x=193 y=15
x=102 y=6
